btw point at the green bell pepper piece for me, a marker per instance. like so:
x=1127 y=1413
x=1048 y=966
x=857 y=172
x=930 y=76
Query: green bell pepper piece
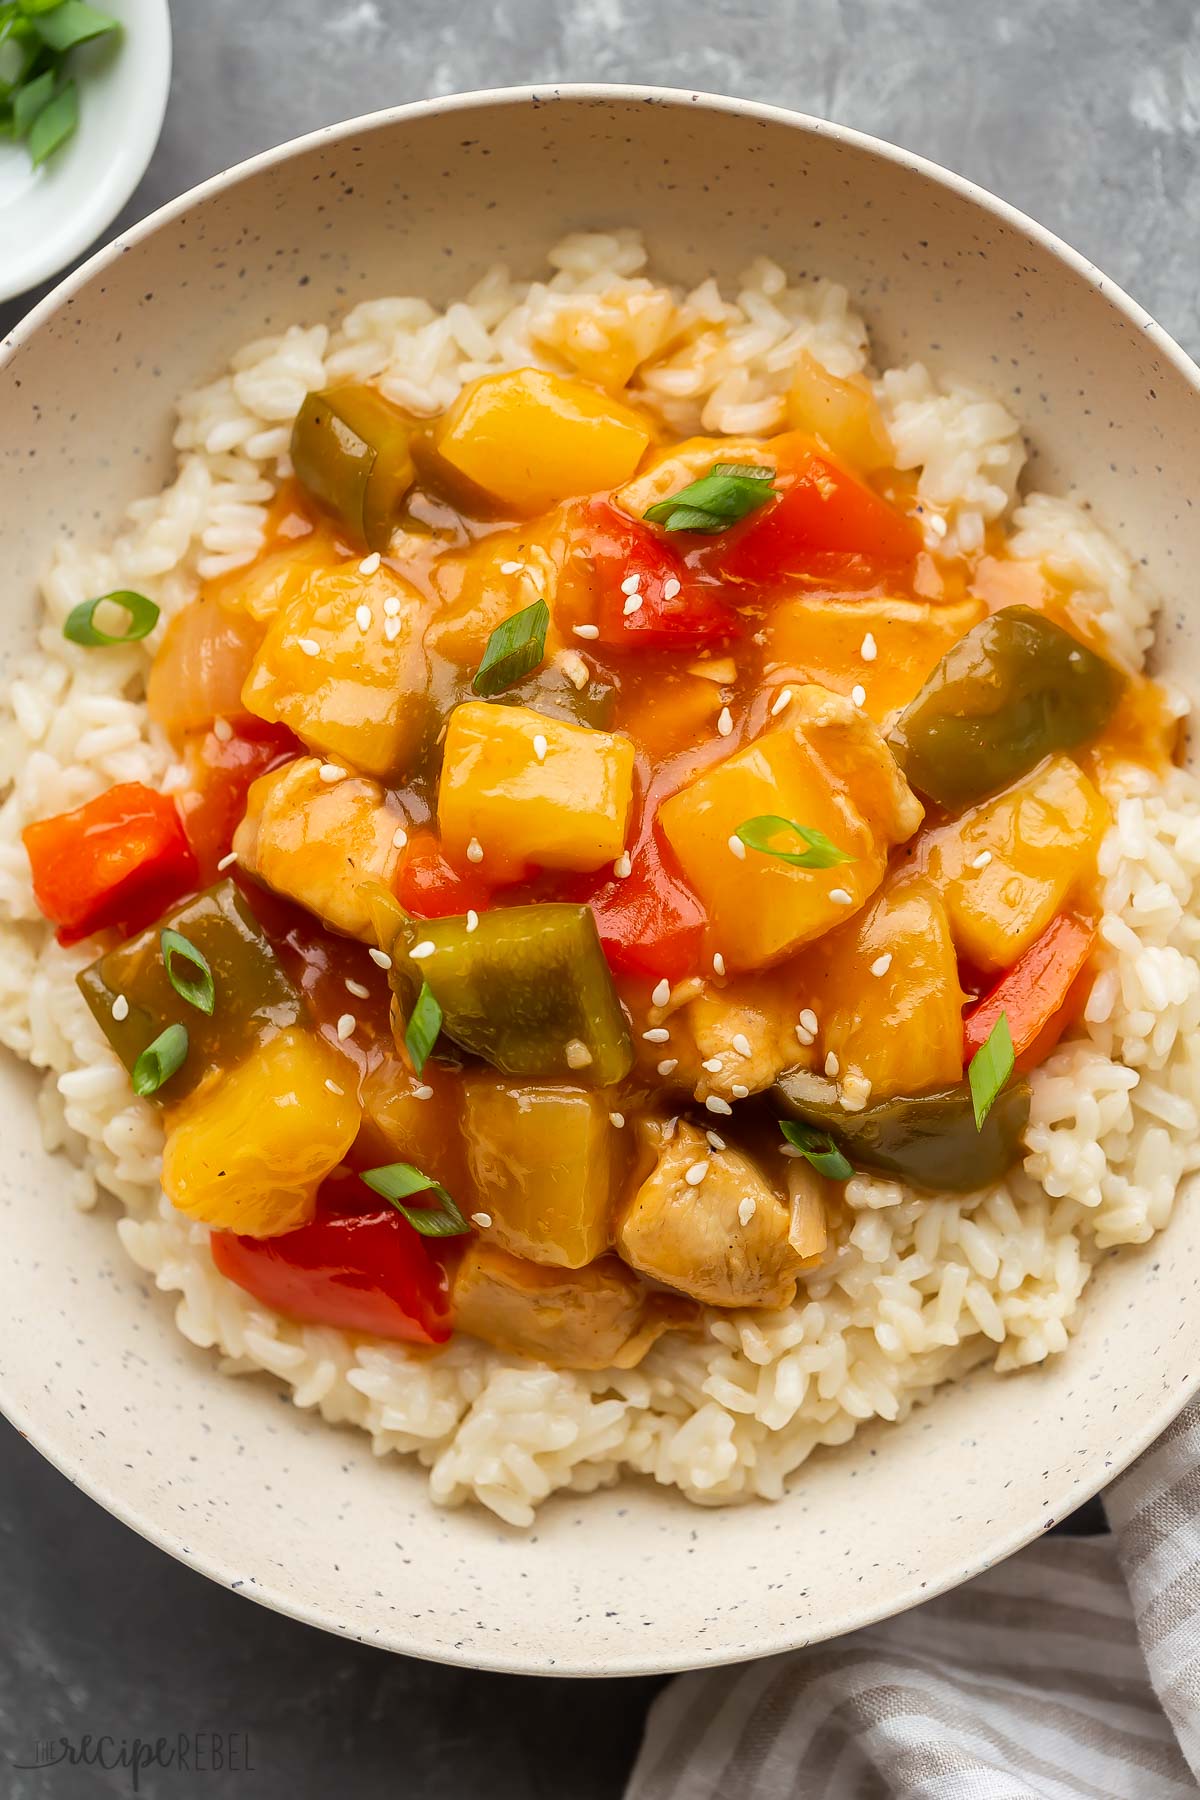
x=1015 y=689
x=928 y=1139
x=253 y=996
x=527 y=988
x=352 y=450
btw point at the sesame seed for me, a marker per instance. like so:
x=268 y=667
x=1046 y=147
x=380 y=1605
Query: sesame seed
x=420 y=951
x=718 y=963
x=631 y=584
x=747 y=1209
x=391 y=607
x=718 y=1143
x=309 y=646
x=868 y=649
x=370 y=564
x=483 y=1220
x=540 y=747
x=391 y=629
x=424 y=1092
x=472 y=919
x=357 y=989
x=724 y=722
x=805 y=1037
x=380 y=957
x=882 y=964
x=832 y=1065
x=741 y=1043
x=362 y=617
x=662 y=992
x=120 y=1008
x=511 y=568
x=617 y=1119
x=227 y=862
x=670 y=588
x=668 y=1065
x=334 y=1088
x=623 y=867
x=841 y=897
x=475 y=851
x=737 y=847
x=331 y=772
x=982 y=860
x=633 y=604
x=345 y=1026
x=858 y=694
x=658 y=1034
x=739 y=1090
x=586 y=631
x=809 y=1020
x=399 y=837
x=781 y=701
x=714 y=1065
x=715 y=1104
x=577 y=1053
x=695 y=1175
x=222 y=730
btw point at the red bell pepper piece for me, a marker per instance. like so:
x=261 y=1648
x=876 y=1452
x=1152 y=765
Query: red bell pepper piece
x=826 y=522
x=358 y=1271
x=429 y=885
x=223 y=771
x=678 y=609
x=1034 y=993
x=120 y=861
x=651 y=923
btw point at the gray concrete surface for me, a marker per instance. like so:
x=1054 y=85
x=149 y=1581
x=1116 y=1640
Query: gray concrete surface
x=1086 y=113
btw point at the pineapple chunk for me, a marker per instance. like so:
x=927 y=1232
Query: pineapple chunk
x=844 y=414
x=724 y=1240
x=823 y=640
x=599 y=1317
x=544 y=1161
x=352 y=693
x=885 y=989
x=605 y=336
x=528 y=438
x=400 y=1126
x=1007 y=866
x=825 y=767
x=317 y=842
x=275 y=577
x=248 y=1150
x=479 y=588
x=565 y=809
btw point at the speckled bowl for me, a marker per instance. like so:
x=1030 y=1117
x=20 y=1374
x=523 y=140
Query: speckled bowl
x=222 y=1473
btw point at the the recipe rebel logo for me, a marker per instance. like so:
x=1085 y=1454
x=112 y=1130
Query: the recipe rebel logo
x=183 y=1753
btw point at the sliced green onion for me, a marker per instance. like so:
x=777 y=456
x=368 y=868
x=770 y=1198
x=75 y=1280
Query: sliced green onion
x=990 y=1068
x=71 y=22
x=729 y=492
x=29 y=99
x=819 y=1148
x=424 y=1023
x=54 y=124
x=821 y=852
x=159 y=1060
x=143 y=617
x=514 y=650
x=195 y=983
x=396 y=1181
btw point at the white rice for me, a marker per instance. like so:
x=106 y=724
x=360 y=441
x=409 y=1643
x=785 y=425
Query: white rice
x=915 y=1290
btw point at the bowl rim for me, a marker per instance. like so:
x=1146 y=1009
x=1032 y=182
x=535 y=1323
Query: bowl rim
x=1074 y=1489
x=141 y=139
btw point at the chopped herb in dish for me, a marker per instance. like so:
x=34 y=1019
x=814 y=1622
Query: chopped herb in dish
x=39 y=97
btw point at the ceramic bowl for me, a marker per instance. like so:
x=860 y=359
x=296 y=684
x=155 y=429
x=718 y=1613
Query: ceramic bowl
x=221 y=1473
x=48 y=216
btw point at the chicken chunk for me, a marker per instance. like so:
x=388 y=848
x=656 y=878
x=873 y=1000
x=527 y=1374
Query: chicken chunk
x=667 y=471
x=745 y=1032
x=318 y=841
x=723 y=1236
x=599 y=1317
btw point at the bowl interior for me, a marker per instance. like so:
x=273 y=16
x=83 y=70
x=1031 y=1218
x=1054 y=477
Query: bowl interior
x=225 y=1473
